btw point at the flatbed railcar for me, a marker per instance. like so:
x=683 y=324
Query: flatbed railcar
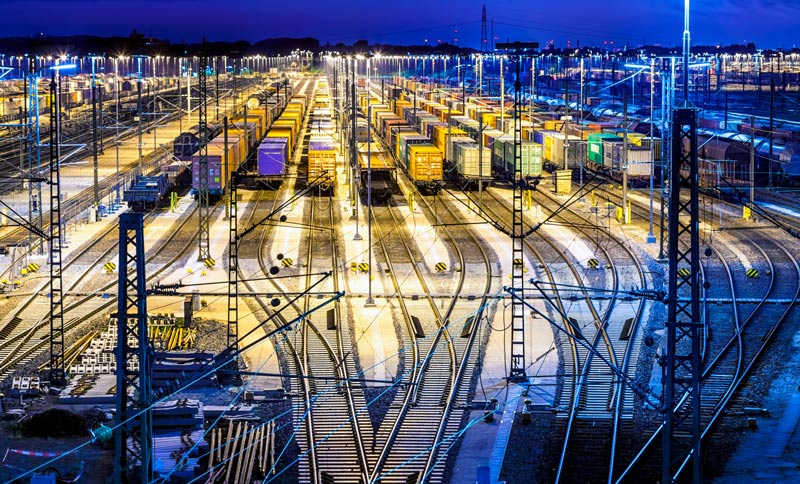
x=376 y=173
x=152 y=191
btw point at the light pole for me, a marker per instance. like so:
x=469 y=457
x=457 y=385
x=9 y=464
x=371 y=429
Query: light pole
x=117 y=86
x=370 y=301
x=651 y=238
x=139 y=104
x=353 y=153
x=94 y=132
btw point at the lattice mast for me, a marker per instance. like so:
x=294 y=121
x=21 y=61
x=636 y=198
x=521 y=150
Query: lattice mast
x=57 y=370
x=204 y=211
x=517 y=364
x=682 y=368
x=133 y=436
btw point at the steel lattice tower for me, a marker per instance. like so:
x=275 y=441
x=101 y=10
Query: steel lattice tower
x=134 y=359
x=57 y=371
x=517 y=366
x=233 y=275
x=683 y=366
x=682 y=369
x=34 y=141
x=204 y=251
x=484 y=39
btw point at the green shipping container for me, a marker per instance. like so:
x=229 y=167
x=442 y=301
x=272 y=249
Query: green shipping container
x=530 y=158
x=594 y=151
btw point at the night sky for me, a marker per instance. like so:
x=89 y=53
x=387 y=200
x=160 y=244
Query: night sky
x=768 y=23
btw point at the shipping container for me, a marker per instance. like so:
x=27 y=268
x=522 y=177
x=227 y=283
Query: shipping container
x=425 y=163
x=594 y=151
x=472 y=162
x=273 y=156
x=404 y=140
x=322 y=162
x=283 y=132
x=576 y=151
x=531 y=159
x=217 y=177
x=638 y=160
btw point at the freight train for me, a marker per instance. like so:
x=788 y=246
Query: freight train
x=722 y=139
x=320 y=155
x=242 y=139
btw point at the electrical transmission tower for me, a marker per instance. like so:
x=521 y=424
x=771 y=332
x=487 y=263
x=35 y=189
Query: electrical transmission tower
x=204 y=251
x=484 y=39
x=233 y=276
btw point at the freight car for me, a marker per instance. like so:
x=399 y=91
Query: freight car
x=149 y=192
x=187 y=143
x=273 y=158
x=322 y=162
x=425 y=166
x=502 y=159
x=377 y=173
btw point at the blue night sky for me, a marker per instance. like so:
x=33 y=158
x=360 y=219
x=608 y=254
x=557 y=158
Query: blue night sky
x=768 y=23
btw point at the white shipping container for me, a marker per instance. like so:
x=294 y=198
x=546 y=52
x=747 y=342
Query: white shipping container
x=558 y=150
x=636 y=154
x=450 y=155
x=469 y=162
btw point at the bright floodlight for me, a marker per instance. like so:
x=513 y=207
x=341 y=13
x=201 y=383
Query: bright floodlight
x=63 y=66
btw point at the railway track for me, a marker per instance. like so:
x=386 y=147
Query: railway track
x=592 y=396
x=30 y=333
x=77 y=203
x=741 y=323
x=417 y=435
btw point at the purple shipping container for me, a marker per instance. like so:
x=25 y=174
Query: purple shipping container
x=273 y=154
x=320 y=143
x=215 y=175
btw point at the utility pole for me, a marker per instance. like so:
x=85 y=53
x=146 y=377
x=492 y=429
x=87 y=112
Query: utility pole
x=353 y=152
x=369 y=302
x=94 y=134
x=753 y=160
x=139 y=105
x=625 y=155
x=651 y=238
x=502 y=94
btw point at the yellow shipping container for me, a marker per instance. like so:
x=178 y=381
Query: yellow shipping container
x=548 y=148
x=322 y=162
x=553 y=125
x=283 y=132
x=241 y=145
x=635 y=138
x=399 y=105
x=440 y=134
x=425 y=163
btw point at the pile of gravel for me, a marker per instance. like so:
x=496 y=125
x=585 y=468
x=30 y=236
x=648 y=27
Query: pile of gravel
x=54 y=423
